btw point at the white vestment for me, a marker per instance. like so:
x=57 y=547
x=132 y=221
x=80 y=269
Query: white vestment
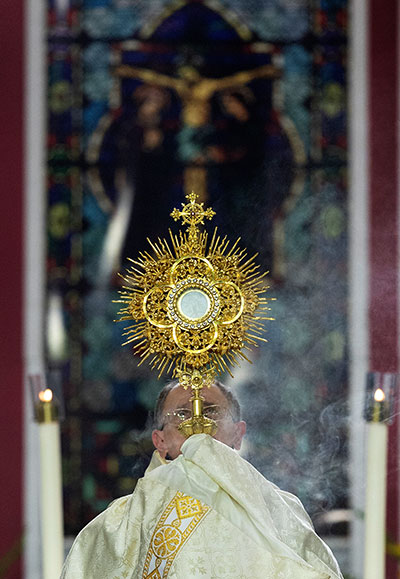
x=207 y=514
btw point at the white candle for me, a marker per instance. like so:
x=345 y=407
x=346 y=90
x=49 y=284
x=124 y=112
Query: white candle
x=375 y=504
x=51 y=487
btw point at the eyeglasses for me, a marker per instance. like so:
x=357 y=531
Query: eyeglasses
x=214 y=412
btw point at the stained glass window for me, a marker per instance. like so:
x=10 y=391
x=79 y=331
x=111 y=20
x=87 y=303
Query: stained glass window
x=244 y=101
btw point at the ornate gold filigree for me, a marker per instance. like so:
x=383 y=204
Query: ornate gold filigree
x=194 y=304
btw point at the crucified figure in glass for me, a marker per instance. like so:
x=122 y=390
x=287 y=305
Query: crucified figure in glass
x=194 y=90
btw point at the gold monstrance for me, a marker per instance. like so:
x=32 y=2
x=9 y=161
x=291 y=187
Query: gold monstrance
x=195 y=306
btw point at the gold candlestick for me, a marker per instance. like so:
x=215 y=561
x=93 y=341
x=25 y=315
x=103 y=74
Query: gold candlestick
x=46 y=411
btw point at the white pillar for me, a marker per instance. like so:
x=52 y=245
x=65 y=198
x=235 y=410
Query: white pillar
x=34 y=263
x=358 y=269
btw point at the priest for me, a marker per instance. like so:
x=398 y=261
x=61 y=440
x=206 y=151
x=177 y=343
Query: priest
x=201 y=510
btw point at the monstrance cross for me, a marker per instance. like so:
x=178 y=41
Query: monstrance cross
x=192 y=213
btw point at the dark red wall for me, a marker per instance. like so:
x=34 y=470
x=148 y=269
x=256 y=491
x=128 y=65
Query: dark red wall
x=384 y=226
x=11 y=295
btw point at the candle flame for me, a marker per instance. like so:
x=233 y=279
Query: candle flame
x=379 y=395
x=46 y=395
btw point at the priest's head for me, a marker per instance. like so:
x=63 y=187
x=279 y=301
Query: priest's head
x=173 y=406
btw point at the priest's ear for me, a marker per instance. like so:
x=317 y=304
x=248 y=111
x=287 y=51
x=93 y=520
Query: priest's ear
x=240 y=431
x=158 y=438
